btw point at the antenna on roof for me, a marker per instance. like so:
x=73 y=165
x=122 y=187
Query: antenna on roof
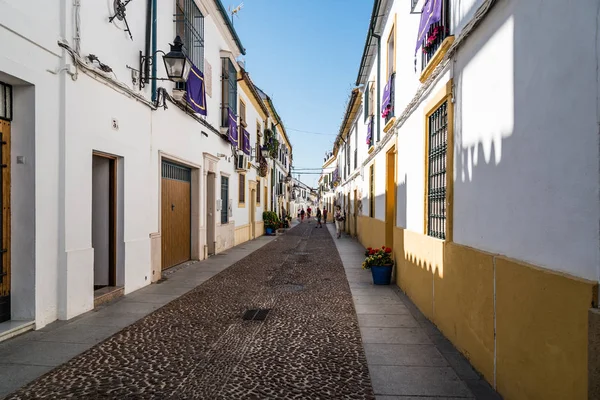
x=235 y=11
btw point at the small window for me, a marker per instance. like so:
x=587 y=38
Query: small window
x=228 y=90
x=242 y=189
x=243 y=113
x=224 y=200
x=5 y=101
x=258 y=192
x=372 y=191
x=189 y=25
x=391 y=52
x=436 y=169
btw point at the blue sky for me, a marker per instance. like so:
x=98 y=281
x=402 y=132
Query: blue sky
x=305 y=55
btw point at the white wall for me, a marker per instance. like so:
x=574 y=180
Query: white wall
x=28 y=33
x=527 y=167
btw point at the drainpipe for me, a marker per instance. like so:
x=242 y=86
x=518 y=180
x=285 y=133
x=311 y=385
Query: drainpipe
x=146 y=71
x=378 y=37
x=154 y=17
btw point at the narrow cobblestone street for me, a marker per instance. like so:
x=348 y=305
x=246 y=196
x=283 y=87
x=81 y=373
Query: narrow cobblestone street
x=199 y=346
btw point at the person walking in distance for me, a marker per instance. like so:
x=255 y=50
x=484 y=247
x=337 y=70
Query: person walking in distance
x=308 y=212
x=302 y=215
x=318 y=215
x=325 y=215
x=339 y=218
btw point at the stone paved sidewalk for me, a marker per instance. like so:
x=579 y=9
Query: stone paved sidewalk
x=407 y=355
x=199 y=346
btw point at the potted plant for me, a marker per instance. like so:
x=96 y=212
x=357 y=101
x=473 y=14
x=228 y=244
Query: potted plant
x=380 y=262
x=271 y=221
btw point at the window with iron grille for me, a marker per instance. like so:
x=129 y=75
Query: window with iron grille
x=243 y=114
x=372 y=191
x=438 y=32
x=390 y=114
x=189 y=25
x=5 y=101
x=258 y=192
x=224 y=200
x=436 y=167
x=228 y=90
x=242 y=189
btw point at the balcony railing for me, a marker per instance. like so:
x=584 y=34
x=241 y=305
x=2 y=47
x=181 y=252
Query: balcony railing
x=391 y=114
x=435 y=36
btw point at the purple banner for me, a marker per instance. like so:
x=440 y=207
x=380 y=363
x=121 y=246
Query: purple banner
x=195 y=94
x=432 y=13
x=370 y=131
x=386 y=103
x=334 y=175
x=233 y=130
x=246 y=142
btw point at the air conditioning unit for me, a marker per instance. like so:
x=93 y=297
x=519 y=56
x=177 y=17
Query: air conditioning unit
x=241 y=162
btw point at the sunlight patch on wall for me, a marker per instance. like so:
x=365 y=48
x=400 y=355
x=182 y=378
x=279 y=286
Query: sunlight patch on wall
x=487 y=100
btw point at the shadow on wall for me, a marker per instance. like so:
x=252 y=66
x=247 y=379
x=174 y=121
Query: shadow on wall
x=523 y=153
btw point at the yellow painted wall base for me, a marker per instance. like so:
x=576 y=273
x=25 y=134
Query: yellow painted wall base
x=540 y=340
x=371 y=232
x=242 y=234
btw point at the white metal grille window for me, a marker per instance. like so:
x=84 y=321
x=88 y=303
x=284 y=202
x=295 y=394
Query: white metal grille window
x=437 y=166
x=189 y=25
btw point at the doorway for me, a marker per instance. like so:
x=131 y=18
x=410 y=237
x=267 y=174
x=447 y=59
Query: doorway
x=176 y=222
x=210 y=213
x=390 y=197
x=355 y=213
x=253 y=213
x=5 y=275
x=104 y=172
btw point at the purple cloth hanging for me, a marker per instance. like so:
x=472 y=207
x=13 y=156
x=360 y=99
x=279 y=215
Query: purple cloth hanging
x=370 y=131
x=431 y=13
x=195 y=94
x=246 y=142
x=387 y=97
x=233 y=130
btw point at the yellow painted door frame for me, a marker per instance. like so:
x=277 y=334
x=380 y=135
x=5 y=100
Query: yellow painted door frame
x=390 y=197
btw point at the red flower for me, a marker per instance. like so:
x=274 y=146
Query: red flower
x=369 y=248
x=388 y=250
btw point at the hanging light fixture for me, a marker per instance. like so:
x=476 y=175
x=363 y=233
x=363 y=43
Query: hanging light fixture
x=176 y=63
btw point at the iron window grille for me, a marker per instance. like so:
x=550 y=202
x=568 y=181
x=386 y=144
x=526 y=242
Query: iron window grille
x=6 y=95
x=258 y=191
x=439 y=30
x=437 y=167
x=176 y=172
x=189 y=25
x=224 y=200
x=228 y=89
x=242 y=189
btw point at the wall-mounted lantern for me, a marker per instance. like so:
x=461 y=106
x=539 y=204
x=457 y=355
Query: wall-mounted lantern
x=177 y=65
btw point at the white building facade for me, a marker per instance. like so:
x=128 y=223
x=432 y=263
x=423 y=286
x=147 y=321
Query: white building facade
x=482 y=175
x=112 y=178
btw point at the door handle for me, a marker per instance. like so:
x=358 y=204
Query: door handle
x=172 y=207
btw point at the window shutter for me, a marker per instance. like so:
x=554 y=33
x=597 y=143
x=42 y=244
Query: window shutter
x=366 y=112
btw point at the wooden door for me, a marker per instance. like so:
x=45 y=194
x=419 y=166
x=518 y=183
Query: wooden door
x=253 y=213
x=210 y=212
x=176 y=235
x=5 y=221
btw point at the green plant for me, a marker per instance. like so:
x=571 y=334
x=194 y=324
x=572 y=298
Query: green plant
x=272 y=143
x=271 y=220
x=382 y=256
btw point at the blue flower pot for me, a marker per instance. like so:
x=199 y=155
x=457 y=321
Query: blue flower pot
x=382 y=274
x=269 y=231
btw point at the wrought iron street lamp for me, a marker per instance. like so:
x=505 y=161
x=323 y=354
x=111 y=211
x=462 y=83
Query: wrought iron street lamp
x=177 y=65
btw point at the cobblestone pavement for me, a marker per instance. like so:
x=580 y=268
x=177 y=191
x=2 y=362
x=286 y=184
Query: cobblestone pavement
x=199 y=346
